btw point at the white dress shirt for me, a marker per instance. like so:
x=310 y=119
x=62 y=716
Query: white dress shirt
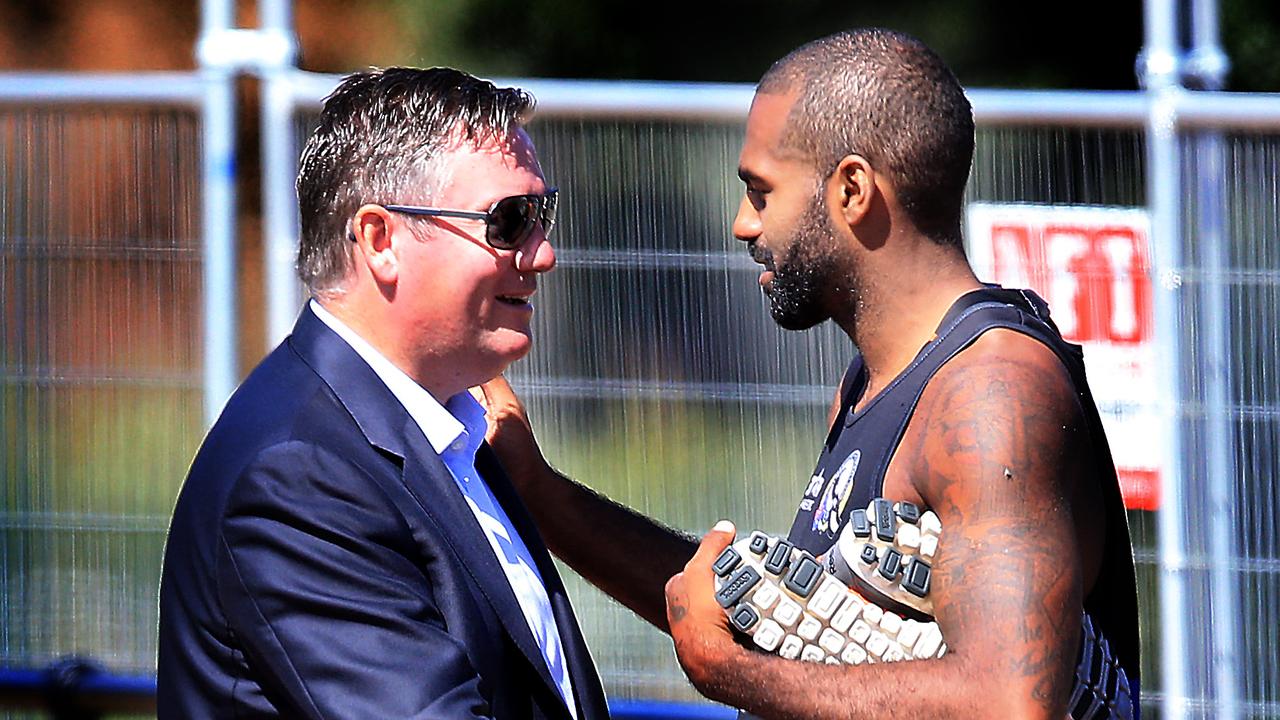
x=455 y=431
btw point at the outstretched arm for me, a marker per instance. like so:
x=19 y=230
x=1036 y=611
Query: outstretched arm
x=583 y=528
x=994 y=451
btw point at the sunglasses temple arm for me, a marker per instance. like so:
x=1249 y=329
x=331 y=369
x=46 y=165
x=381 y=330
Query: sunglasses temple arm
x=437 y=212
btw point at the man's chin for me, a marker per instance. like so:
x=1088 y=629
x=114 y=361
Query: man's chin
x=512 y=344
x=791 y=317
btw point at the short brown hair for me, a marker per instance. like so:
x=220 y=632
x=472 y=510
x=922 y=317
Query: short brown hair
x=379 y=134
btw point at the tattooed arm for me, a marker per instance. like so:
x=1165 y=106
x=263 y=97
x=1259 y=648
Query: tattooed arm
x=994 y=448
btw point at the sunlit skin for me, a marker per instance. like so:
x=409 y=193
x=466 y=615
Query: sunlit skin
x=997 y=448
x=807 y=271
x=778 y=184
x=430 y=294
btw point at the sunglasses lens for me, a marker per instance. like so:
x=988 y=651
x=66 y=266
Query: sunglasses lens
x=509 y=222
x=512 y=219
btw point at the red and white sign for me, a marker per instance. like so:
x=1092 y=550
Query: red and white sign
x=1092 y=266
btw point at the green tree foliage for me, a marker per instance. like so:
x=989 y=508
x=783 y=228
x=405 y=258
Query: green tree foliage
x=1251 y=34
x=1088 y=44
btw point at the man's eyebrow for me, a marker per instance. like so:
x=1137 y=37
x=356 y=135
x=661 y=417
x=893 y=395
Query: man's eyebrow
x=749 y=177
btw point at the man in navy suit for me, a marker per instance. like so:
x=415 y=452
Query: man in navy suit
x=346 y=545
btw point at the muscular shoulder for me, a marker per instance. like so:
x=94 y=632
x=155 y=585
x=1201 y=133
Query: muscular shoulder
x=1003 y=408
x=1004 y=373
x=1008 y=364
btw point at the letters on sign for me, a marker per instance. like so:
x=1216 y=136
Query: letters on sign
x=1095 y=278
x=1092 y=265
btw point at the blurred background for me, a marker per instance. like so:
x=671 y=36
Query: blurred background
x=147 y=229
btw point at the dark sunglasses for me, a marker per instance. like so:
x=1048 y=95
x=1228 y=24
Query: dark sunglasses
x=510 y=221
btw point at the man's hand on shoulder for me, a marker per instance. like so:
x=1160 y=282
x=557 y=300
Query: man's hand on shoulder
x=510 y=433
x=582 y=527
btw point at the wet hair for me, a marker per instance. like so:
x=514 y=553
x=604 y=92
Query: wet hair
x=383 y=137
x=885 y=96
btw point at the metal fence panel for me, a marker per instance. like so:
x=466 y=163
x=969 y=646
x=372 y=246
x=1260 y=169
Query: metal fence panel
x=100 y=386
x=1235 y=292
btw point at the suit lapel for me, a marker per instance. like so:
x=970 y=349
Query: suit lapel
x=437 y=493
x=582 y=669
x=388 y=426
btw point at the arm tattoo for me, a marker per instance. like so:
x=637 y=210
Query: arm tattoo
x=1001 y=441
x=678 y=611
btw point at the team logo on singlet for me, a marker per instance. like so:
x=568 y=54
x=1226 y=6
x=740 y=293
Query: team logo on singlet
x=826 y=517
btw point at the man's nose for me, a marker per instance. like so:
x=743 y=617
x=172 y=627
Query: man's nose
x=746 y=225
x=536 y=254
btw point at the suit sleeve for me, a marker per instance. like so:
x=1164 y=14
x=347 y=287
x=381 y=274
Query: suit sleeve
x=318 y=578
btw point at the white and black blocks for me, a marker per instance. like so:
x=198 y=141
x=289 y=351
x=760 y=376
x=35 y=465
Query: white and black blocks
x=869 y=600
x=788 y=603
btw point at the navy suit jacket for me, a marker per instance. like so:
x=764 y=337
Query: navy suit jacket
x=322 y=563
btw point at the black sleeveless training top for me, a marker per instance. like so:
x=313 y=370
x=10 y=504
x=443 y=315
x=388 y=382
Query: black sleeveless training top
x=852 y=466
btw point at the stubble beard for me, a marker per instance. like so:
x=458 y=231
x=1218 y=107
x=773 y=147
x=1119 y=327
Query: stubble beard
x=814 y=274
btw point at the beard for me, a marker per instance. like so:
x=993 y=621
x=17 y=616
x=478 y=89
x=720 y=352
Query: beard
x=811 y=276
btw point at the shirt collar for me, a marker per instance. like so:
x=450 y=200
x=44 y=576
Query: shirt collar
x=456 y=426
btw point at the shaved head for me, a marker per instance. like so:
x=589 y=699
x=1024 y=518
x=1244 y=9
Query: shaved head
x=885 y=96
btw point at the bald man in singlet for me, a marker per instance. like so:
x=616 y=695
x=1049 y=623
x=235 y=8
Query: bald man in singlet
x=961 y=399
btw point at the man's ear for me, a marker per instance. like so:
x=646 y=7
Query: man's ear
x=371 y=233
x=855 y=188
